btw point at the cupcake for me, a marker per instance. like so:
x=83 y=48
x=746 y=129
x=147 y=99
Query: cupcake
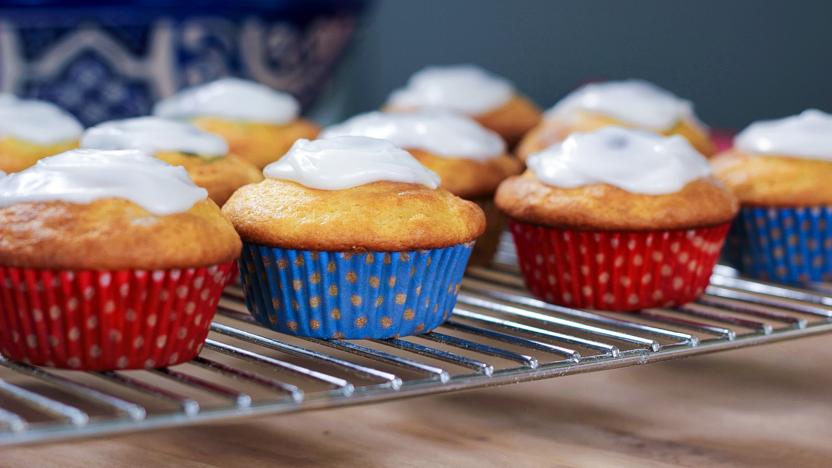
x=617 y=219
x=31 y=130
x=204 y=155
x=109 y=260
x=470 y=90
x=781 y=171
x=350 y=237
x=628 y=103
x=471 y=161
x=259 y=123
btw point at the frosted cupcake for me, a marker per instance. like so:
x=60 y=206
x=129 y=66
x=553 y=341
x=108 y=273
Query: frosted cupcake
x=109 y=260
x=628 y=103
x=350 y=237
x=204 y=155
x=470 y=160
x=259 y=123
x=781 y=172
x=617 y=219
x=468 y=89
x=31 y=129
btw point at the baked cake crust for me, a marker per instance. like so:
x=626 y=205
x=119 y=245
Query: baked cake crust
x=219 y=176
x=469 y=178
x=17 y=155
x=113 y=234
x=700 y=203
x=513 y=119
x=256 y=142
x=775 y=180
x=380 y=216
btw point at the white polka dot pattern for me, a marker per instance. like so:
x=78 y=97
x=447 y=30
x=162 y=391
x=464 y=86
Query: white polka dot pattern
x=617 y=271
x=107 y=320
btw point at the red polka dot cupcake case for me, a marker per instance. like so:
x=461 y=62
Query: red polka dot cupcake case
x=104 y=320
x=611 y=220
x=617 y=270
x=105 y=290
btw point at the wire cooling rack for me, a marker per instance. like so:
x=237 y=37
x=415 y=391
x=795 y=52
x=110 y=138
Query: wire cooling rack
x=497 y=335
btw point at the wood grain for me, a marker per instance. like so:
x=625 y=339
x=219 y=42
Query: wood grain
x=767 y=406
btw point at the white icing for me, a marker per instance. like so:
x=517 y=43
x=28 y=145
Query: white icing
x=441 y=133
x=230 y=98
x=808 y=135
x=152 y=134
x=634 y=102
x=634 y=160
x=463 y=88
x=349 y=161
x=84 y=176
x=37 y=122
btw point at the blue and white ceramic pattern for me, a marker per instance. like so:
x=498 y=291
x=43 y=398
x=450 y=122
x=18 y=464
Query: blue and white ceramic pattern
x=112 y=60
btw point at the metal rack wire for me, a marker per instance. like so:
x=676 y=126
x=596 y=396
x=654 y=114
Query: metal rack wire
x=498 y=334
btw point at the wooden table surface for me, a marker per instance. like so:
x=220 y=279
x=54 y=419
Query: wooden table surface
x=765 y=406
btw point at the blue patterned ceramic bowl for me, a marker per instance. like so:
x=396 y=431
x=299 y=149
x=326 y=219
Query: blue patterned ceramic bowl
x=109 y=60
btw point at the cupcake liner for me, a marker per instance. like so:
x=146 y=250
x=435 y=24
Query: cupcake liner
x=732 y=253
x=107 y=320
x=723 y=140
x=784 y=244
x=495 y=223
x=616 y=270
x=352 y=295
x=234 y=275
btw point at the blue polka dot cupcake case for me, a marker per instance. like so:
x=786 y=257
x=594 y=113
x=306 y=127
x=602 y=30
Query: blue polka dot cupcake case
x=781 y=172
x=350 y=237
x=791 y=245
x=352 y=295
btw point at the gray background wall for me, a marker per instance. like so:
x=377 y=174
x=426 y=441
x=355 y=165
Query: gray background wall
x=737 y=60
